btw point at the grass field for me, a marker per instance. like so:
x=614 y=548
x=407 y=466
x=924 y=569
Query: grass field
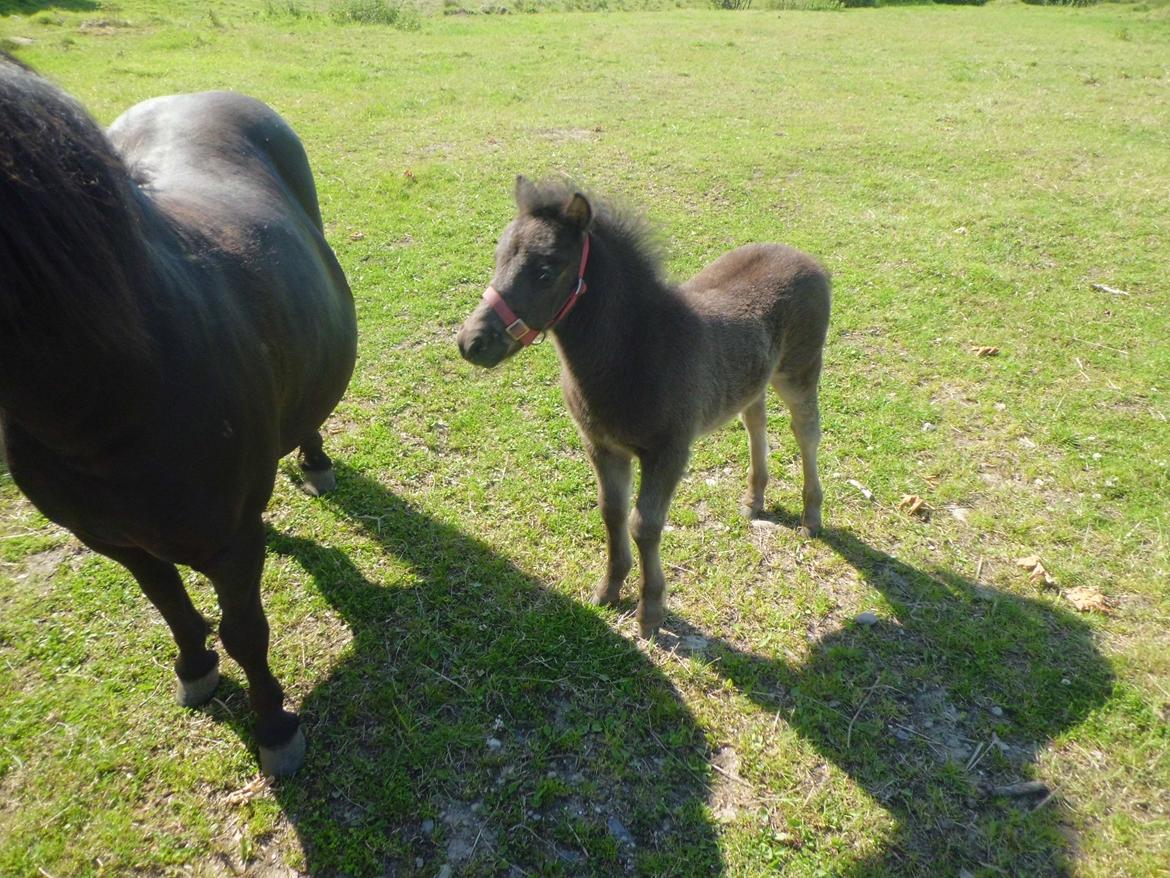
x=966 y=173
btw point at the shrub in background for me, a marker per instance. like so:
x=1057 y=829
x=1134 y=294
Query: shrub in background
x=397 y=15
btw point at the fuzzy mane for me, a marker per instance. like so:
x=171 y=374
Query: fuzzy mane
x=71 y=248
x=631 y=240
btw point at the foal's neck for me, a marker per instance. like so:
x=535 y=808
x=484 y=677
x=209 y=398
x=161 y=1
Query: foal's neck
x=624 y=295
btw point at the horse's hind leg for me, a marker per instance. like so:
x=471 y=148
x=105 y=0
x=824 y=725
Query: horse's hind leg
x=197 y=667
x=755 y=418
x=613 y=496
x=317 y=467
x=235 y=573
x=801 y=399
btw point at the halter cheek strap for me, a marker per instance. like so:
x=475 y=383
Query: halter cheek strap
x=516 y=327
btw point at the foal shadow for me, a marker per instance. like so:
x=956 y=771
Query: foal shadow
x=479 y=720
x=936 y=710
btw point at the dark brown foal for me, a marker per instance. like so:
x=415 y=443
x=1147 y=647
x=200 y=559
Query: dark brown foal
x=647 y=367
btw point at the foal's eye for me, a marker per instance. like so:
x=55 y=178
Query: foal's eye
x=547 y=273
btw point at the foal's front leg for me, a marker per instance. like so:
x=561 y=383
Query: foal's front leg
x=613 y=496
x=661 y=471
x=235 y=573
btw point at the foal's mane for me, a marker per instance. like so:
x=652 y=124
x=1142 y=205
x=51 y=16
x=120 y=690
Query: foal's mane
x=71 y=243
x=632 y=242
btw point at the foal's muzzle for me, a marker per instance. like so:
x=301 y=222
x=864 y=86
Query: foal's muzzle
x=482 y=341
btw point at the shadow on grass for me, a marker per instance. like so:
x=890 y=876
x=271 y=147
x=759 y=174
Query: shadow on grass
x=28 y=7
x=481 y=720
x=908 y=707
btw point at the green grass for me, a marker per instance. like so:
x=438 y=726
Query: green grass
x=967 y=173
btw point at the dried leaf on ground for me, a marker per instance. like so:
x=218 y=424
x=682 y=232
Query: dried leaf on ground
x=248 y=791
x=357 y=236
x=865 y=492
x=1037 y=572
x=912 y=504
x=984 y=350
x=1087 y=599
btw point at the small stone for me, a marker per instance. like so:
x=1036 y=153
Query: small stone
x=694 y=643
x=428 y=826
x=620 y=834
x=446 y=871
x=996 y=710
x=494 y=744
x=867 y=619
x=418 y=862
x=764 y=524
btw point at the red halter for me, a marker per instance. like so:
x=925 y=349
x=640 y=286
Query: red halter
x=521 y=331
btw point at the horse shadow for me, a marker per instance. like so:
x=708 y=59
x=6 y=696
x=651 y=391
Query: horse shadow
x=28 y=7
x=480 y=720
x=936 y=713
x=483 y=721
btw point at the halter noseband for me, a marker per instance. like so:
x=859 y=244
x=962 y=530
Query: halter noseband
x=516 y=327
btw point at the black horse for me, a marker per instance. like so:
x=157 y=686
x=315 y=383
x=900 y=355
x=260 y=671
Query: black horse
x=172 y=322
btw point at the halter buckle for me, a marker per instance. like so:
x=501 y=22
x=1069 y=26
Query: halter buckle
x=517 y=330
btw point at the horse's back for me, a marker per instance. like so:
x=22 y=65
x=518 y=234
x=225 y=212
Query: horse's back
x=232 y=177
x=217 y=143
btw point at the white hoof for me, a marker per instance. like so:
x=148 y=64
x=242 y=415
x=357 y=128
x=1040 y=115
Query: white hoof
x=192 y=693
x=286 y=759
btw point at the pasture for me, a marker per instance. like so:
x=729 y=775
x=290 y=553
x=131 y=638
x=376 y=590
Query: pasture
x=851 y=705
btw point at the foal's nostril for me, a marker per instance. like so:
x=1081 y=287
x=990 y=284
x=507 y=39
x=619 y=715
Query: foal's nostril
x=469 y=348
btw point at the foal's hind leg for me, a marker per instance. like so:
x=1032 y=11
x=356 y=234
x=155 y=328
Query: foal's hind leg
x=235 y=573
x=756 y=420
x=613 y=496
x=197 y=667
x=801 y=399
x=317 y=467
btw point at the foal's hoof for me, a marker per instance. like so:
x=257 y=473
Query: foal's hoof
x=809 y=530
x=192 y=693
x=650 y=619
x=607 y=594
x=750 y=508
x=286 y=759
x=318 y=481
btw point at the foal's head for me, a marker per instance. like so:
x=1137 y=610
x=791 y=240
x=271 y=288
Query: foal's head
x=538 y=265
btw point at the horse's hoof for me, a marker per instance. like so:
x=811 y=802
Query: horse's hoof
x=750 y=511
x=192 y=693
x=318 y=481
x=809 y=530
x=286 y=759
x=607 y=594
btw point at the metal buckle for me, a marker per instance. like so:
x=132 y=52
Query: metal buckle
x=517 y=330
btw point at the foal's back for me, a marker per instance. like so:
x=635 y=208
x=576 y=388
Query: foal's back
x=785 y=289
x=760 y=311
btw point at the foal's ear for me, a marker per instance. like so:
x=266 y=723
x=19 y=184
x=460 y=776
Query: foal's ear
x=525 y=192
x=579 y=212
